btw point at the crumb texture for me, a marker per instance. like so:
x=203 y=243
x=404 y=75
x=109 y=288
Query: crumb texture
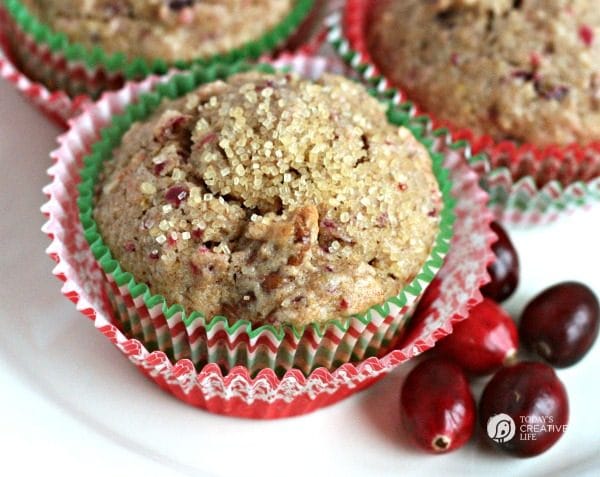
x=162 y=29
x=524 y=70
x=271 y=198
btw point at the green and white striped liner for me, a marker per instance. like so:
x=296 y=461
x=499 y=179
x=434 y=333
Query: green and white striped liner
x=202 y=339
x=522 y=202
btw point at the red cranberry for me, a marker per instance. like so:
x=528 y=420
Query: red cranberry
x=483 y=342
x=524 y=75
x=524 y=409
x=159 y=168
x=586 y=34
x=180 y=4
x=328 y=224
x=207 y=139
x=437 y=407
x=550 y=91
x=176 y=195
x=535 y=59
x=266 y=84
x=505 y=270
x=561 y=323
x=194 y=268
x=198 y=233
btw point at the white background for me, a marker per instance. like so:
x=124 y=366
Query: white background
x=70 y=403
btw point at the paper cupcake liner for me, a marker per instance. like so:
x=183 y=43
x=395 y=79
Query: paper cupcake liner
x=310 y=35
x=239 y=393
x=49 y=57
x=527 y=184
x=57 y=105
x=213 y=339
x=312 y=40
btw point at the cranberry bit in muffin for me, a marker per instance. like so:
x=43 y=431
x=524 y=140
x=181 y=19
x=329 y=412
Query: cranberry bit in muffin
x=586 y=34
x=179 y=4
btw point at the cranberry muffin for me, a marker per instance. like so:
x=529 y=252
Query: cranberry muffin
x=168 y=30
x=270 y=198
x=523 y=70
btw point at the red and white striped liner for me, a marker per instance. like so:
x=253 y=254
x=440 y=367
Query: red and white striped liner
x=446 y=301
x=311 y=35
x=57 y=105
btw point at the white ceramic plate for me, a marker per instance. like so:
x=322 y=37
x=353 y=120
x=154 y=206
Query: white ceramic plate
x=70 y=402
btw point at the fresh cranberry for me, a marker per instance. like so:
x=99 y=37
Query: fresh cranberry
x=561 y=323
x=524 y=409
x=437 y=407
x=504 y=271
x=483 y=342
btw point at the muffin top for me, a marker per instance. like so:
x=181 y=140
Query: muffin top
x=270 y=198
x=524 y=70
x=162 y=29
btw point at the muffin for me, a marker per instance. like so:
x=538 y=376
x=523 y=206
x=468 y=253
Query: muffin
x=270 y=199
x=525 y=71
x=241 y=391
x=170 y=30
x=98 y=44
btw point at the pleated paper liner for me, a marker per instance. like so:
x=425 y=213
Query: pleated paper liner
x=203 y=339
x=49 y=57
x=239 y=392
x=527 y=185
x=57 y=105
x=310 y=35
